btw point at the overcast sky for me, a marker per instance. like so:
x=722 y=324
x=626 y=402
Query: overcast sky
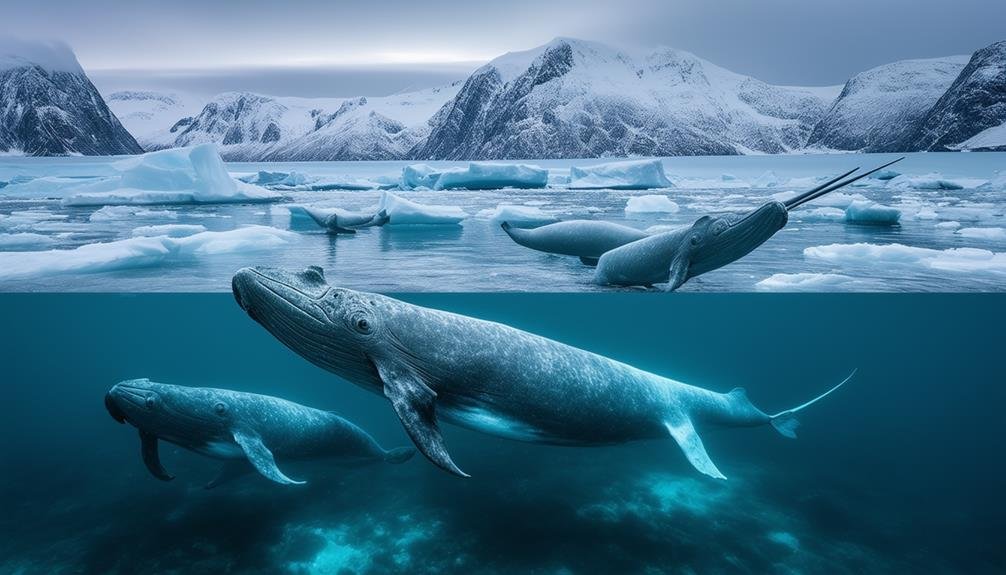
x=341 y=48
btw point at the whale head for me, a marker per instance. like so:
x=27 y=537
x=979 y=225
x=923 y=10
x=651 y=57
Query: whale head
x=718 y=241
x=183 y=415
x=337 y=329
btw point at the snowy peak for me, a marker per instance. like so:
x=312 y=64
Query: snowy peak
x=880 y=110
x=49 y=107
x=974 y=103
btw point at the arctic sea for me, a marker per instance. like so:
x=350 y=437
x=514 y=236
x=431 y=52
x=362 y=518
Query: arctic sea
x=901 y=471
x=951 y=233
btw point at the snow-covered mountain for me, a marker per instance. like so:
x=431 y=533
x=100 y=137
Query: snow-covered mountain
x=48 y=106
x=149 y=115
x=973 y=104
x=572 y=98
x=256 y=127
x=880 y=110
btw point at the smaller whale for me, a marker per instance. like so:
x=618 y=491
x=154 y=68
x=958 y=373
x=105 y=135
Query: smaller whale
x=246 y=430
x=709 y=243
x=585 y=239
x=339 y=221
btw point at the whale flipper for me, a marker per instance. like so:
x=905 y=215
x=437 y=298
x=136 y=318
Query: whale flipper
x=229 y=471
x=683 y=431
x=261 y=458
x=148 y=446
x=678 y=270
x=414 y=402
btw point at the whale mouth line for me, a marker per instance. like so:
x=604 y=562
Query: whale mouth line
x=114 y=410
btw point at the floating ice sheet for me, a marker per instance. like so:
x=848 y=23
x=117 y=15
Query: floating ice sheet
x=630 y=175
x=967 y=260
x=476 y=176
x=650 y=204
x=407 y=212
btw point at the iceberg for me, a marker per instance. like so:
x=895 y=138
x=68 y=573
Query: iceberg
x=931 y=181
x=406 y=212
x=477 y=176
x=631 y=175
x=264 y=178
x=867 y=212
x=650 y=205
x=805 y=282
x=140 y=252
x=982 y=233
x=951 y=259
x=178 y=176
x=521 y=215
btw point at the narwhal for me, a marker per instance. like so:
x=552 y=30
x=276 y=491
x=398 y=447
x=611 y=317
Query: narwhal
x=433 y=365
x=632 y=257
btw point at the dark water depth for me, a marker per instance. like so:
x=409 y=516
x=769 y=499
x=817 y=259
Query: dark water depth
x=901 y=471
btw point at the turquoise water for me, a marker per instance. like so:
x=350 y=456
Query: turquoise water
x=901 y=471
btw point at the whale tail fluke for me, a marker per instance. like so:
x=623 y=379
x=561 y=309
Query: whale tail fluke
x=399 y=455
x=786 y=422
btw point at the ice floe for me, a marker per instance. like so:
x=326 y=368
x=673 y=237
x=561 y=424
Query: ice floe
x=402 y=211
x=297 y=181
x=951 y=259
x=951 y=225
x=24 y=240
x=805 y=282
x=867 y=212
x=170 y=230
x=140 y=252
x=630 y=175
x=931 y=181
x=650 y=204
x=112 y=213
x=476 y=176
x=527 y=215
x=983 y=233
x=820 y=215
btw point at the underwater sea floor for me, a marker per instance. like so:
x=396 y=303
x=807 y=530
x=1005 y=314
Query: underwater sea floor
x=899 y=471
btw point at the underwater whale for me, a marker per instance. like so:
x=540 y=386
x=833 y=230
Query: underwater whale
x=633 y=257
x=487 y=376
x=247 y=430
x=339 y=221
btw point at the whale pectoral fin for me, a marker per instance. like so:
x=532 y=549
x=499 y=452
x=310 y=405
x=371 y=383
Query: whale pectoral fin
x=415 y=404
x=688 y=439
x=151 y=458
x=589 y=261
x=229 y=471
x=261 y=458
x=678 y=273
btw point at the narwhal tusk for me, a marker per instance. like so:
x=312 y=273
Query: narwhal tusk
x=797 y=199
x=811 y=197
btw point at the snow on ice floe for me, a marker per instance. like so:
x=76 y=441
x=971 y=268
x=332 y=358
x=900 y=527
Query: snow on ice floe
x=629 y=175
x=820 y=215
x=141 y=252
x=24 y=240
x=951 y=225
x=868 y=212
x=476 y=176
x=178 y=176
x=650 y=205
x=968 y=260
x=407 y=212
x=170 y=230
x=806 y=282
x=983 y=233
x=526 y=215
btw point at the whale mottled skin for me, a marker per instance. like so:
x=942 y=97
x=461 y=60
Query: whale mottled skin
x=247 y=430
x=585 y=239
x=339 y=221
x=484 y=375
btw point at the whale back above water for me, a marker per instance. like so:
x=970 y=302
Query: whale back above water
x=484 y=375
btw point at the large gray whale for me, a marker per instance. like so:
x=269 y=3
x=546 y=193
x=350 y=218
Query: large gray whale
x=240 y=428
x=486 y=376
x=629 y=257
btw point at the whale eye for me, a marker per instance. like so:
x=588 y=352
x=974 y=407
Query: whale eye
x=696 y=239
x=220 y=408
x=719 y=227
x=150 y=401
